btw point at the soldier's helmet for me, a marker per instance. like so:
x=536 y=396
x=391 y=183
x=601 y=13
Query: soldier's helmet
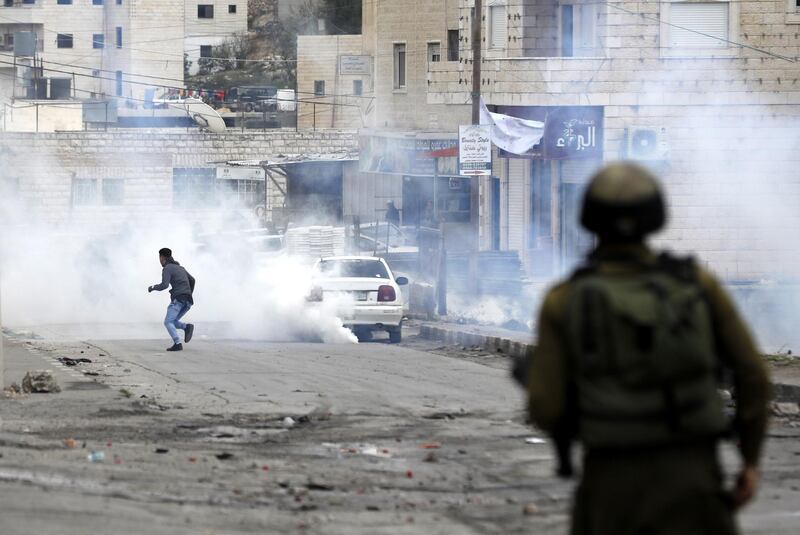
x=623 y=202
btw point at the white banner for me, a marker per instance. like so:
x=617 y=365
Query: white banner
x=512 y=134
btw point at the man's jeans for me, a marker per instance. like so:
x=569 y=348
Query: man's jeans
x=175 y=311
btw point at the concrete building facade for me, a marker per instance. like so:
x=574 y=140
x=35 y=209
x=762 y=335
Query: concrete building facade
x=334 y=81
x=704 y=92
x=107 y=48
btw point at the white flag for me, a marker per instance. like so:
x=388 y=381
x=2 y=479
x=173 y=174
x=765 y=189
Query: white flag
x=512 y=134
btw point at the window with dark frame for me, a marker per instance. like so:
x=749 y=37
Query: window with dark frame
x=205 y=51
x=205 y=11
x=232 y=8
x=84 y=191
x=98 y=40
x=358 y=87
x=119 y=36
x=452 y=45
x=119 y=83
x=64 y=40
x=113 y=191
x=399 y=65
x=64 y=2
x=319 y=88
x=434 y=52
x=98 y=2
x=28 y=2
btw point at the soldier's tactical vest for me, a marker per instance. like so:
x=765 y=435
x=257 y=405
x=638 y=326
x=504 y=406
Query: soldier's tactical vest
x=643 y=356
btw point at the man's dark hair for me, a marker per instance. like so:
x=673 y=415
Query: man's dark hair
x=166 y=253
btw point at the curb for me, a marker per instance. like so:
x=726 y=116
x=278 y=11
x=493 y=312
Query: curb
x=781 y=392
x=494 y=344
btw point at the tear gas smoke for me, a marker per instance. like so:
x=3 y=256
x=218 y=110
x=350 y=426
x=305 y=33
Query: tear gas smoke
x=93 y=276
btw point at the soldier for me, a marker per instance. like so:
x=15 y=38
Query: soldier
x=629 y=356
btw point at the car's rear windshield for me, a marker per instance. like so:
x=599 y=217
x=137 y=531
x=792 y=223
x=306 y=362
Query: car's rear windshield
x=353 y=268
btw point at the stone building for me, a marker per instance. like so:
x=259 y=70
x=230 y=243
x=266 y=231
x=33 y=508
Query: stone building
x=119 y=48
x=705 y=92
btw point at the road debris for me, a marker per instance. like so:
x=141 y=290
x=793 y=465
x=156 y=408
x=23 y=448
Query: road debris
x=431 y=446
x=70 y=443
x=535 y=440
x=162 y=450
x=785 y=409
x=431 y=458
x=66 y=361
x=40 y=382
x=224 y=456
x=288 y=422
x=530 y=509
x=96 y=457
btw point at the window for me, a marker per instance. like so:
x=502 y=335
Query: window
x=578 y=36
x=28 y=2
x=498 y=27
x=691 y=20
x=64 y=2
x=319 y=88
x=205 y=11
x=358 y=88
x=97 y=2
x=452 y=45
x=232 y=9
x=98 y=40
x=84 y=191
x=119 y=83
x=119 y=2
x=193 y=187
x=399 y=65
x=119 y=36
x=113 y=191
x=64 y=40
x=205 y=51
x=434 y=52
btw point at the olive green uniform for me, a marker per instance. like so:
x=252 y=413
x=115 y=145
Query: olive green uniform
x=663 y=489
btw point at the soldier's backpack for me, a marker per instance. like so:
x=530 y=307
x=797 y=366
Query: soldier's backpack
x=642 y=356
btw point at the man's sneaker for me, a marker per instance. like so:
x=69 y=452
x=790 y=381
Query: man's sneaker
x=187 y=336
x=175 y=347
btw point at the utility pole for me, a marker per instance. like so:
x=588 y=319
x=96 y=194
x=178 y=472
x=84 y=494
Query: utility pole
x=476 y=62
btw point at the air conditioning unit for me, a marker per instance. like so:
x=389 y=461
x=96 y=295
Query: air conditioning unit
x=647 y=144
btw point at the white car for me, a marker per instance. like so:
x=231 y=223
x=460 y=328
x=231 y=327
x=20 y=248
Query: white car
x=366 y=293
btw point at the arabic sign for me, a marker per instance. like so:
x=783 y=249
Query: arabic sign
x=573 y=132
x=356 y=65
x=570 y=132
x=475 y=150
x=240 y=173
x=408 y=155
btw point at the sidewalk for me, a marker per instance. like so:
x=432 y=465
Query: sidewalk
x=785 y=372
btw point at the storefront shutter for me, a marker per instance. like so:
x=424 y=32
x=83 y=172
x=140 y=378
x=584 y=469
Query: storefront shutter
x=710 y=19
x=516 y=204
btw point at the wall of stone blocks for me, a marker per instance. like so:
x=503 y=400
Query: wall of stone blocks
x=45 y=165
x=318 y=59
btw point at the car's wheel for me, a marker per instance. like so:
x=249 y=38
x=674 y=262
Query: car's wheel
x=363 y=335
x=395 y=335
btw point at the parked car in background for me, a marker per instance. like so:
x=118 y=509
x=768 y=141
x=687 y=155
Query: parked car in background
x=365 y=291
x=252 y=98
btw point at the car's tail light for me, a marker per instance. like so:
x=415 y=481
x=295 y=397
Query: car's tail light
x=386 y=293
x=315 y=294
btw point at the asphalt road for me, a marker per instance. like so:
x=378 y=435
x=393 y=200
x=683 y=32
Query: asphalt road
x=399 y=439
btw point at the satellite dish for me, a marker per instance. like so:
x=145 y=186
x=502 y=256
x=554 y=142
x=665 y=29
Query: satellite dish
x=201 y=113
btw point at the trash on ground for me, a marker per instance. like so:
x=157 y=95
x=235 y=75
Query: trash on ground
x=431 y=446
x=431 y=458
x=162 y=450
x=66 y=361
x=91 y=374
x=224 y=456
x=530 y=509
x=786 y=409
x=13 y=391
x=70 y=443
x=288 y=422
x=535 y=440
x=316 y=485
x=40 y=382
x=96 y=457
x=409 y=474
